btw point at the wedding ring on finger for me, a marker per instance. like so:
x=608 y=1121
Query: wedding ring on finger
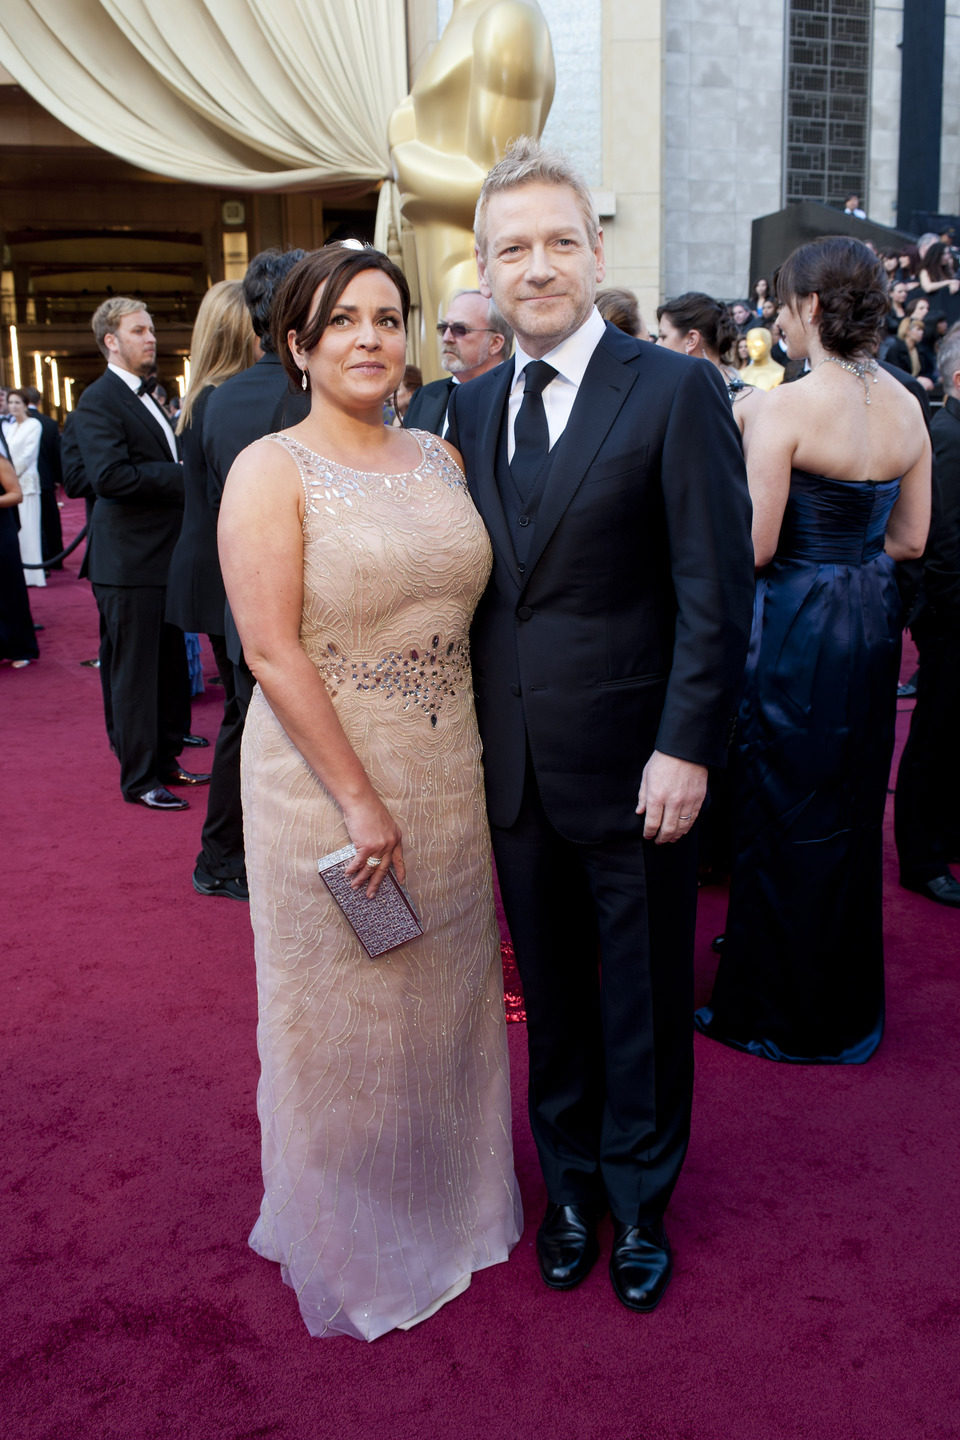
x=373 y=861
x=682 y=819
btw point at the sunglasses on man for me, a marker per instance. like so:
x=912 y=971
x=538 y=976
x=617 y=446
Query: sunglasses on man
x=458 y=330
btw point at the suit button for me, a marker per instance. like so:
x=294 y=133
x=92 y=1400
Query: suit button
x=524 y=613
x=521 y=568
x=515 y=690
x=523 y=519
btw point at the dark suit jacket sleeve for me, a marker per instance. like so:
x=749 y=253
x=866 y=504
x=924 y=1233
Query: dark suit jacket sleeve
x=103 y=433
x=942 y=558
x=75 y=481
x=708 y=516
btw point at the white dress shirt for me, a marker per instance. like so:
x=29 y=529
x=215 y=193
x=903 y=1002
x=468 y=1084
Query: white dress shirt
x=133 y=383
x=570 y=360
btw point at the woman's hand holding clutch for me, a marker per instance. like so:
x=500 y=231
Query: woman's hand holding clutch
x=377 y=838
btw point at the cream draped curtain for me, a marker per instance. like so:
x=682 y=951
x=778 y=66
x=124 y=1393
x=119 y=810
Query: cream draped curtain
x=243 y=94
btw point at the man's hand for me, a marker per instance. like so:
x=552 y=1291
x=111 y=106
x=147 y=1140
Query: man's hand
x=671 y=794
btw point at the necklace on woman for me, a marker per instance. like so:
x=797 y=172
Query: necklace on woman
x=860 y=368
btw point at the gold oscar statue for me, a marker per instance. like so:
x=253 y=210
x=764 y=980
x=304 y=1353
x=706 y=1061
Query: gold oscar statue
x=763 y=372
x=489 y=79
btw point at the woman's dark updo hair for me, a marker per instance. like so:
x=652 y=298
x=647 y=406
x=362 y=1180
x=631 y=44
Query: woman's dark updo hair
x=852 y=287
x=695 y=311
x=336 y=265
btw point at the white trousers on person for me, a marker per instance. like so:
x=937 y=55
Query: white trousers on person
x=30 y=549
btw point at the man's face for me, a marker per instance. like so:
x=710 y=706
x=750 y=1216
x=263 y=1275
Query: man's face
x=539 y=264
x=740 y=314
x=133 y=345
x=476 y=349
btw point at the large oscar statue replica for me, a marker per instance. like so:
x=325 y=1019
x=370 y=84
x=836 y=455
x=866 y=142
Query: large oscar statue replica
x=763 y=372
x=489 y=79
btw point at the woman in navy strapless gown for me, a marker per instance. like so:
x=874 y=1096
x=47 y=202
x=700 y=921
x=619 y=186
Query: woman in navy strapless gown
x=839 y=469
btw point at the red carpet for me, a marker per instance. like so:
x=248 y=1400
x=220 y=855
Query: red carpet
x=816 y=1287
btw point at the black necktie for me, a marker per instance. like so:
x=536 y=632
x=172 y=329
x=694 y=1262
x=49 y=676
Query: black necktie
x=147 y=385
x=531 y=435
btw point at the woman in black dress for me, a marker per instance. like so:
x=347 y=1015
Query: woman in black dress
x=839 y=472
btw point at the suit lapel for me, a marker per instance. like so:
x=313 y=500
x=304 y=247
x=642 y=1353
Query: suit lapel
x=440 y=401
x=483 y=473
x=606 y=385
x=143 y=415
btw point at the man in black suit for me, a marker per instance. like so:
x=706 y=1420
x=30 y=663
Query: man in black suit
x=130 y=458
x=253 y=403
x=927 y=805
x=474 y=338
x=608 y=651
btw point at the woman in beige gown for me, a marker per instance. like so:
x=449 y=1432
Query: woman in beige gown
x=353 y=559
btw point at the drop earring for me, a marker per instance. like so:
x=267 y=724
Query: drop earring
x=303 y=380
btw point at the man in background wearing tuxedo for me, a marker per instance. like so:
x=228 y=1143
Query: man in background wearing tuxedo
x=249 y=405
x=131 y=460
x=474 y=338
x=608 y=652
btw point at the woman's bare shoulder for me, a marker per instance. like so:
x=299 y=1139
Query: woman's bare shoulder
x=263 y=473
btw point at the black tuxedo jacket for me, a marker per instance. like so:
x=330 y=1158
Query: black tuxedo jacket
x=139 y=487
x=428 y=408
x=942 y=557
x=628 y=629
x=195 y=593
x=48 y=460
x=244 y=408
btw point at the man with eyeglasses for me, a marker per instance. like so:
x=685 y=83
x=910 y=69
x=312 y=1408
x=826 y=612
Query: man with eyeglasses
x=474 y=337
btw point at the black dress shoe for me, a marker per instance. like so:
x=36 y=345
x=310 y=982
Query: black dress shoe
x=640 y=1264
x=942 y=888
x=567 y=1245
x=184 y=777
x=161 y=799
x=235 y=887
x=199 y=740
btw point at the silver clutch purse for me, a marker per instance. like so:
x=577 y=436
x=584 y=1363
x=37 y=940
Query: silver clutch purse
x=380 y=924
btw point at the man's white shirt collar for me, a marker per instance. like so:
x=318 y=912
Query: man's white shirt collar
x=572 y=356
x=570 y=360
x=128 y=378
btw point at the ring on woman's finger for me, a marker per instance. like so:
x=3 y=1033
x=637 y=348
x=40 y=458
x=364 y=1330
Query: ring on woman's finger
x=373 y=861
x=682 y=817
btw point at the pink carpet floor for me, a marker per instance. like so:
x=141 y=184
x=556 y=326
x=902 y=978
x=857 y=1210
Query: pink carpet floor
x=816 y=1229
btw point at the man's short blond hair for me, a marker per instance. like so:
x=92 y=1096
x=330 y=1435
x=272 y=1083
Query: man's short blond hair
x=107 y=317
x=527 y=162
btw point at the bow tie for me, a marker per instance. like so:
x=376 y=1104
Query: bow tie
x=147 y=385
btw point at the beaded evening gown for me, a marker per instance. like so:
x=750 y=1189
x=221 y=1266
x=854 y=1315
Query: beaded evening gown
x=801 y=973
x=384 y=1091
